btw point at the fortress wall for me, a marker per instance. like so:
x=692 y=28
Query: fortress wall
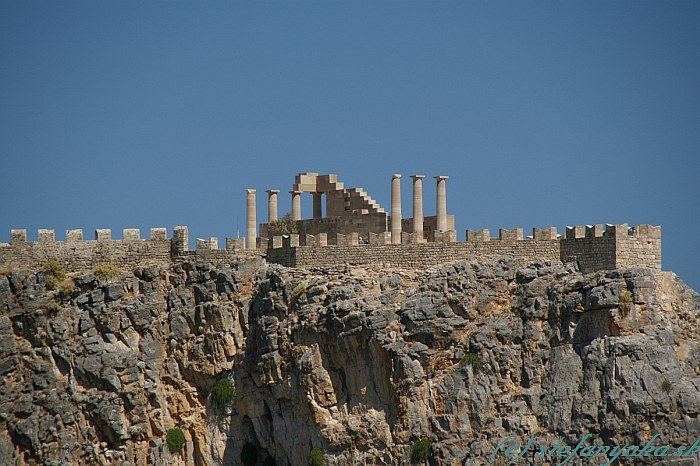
x=413 y=255
x=590 y=254
x=641 y=248
x=594 y=247
x=78 y=254
x=221 y=256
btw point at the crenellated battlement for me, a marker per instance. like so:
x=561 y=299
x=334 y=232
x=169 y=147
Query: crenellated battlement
x=77 y=253
x=592 y=247
x=49 y=236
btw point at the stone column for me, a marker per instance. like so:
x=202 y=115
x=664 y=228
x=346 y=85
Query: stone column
x=418 y=206
x=441 y=203
x=251 y=221
x=318 y=209
x=395 y=209
x=296 y=205
x=272 y=205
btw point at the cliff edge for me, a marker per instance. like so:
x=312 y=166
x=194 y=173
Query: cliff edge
x=360 y=362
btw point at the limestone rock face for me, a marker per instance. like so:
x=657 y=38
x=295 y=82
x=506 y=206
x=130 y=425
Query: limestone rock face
x=359 y=362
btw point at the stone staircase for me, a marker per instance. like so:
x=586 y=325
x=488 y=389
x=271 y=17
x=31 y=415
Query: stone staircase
x=358 y=199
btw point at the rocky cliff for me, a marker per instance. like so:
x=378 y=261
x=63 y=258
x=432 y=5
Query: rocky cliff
x=361 y=363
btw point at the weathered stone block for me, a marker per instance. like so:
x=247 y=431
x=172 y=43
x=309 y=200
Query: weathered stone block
x=594 y=231
x=180 y=241
x=159 y=233
x=131 y=234
x=621 y=230
x=46 y=236
x=74 y=235
x=649 y=230
x=515 y=234
x=380 y=238
x=209 y=244
x=19 y=236
x=479 y=235
x=544 y=234
x=309 y=240
x=579 y=231
x=235 y=244
x=411 y=238
x=114 y=292
x=103 y=234
x=449 y=236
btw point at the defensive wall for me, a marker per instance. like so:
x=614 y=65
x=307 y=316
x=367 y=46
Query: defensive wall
x=78 y=254
x=591 y=247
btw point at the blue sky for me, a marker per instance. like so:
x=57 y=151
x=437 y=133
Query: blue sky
x=134 y=115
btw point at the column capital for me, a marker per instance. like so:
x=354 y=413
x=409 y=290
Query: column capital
x=272 y=191
x=417 y=177
x=294 y=192
x=250 y=191
x=441 y=177
x=395 y=175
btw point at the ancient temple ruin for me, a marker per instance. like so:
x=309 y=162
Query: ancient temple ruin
x=351 y=211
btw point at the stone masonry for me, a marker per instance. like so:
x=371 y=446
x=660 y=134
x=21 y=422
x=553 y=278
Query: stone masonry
x=619 y=247
x=78 y=254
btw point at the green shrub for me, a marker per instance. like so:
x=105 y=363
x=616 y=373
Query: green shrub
x=284 y=226
x=53 y=306
x=298 y=291
x=66 y=287
x=269 y=461
x=175 y=439
x=106 y=271
x=55 y=269
x=222 y=394
x=422 y=450
x=56 y=273
x=52 y=283
x=249 y=454
x=473 y=360
x=57 y=279
x=625 y=302
x=666 y=386
x=316 y=457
